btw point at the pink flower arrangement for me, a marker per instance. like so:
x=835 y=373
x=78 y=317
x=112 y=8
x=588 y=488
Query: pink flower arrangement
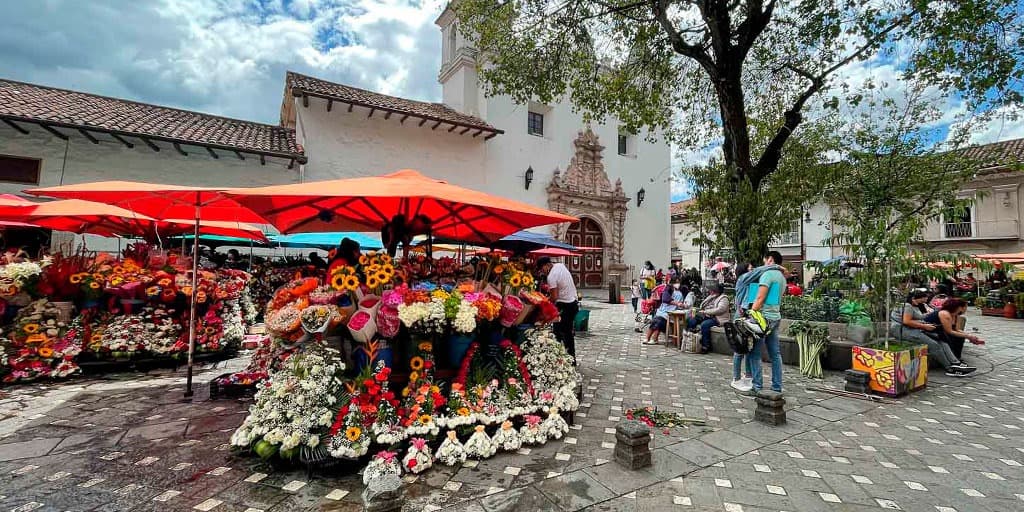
x=394 y=298
x=532 y=420
x=510 y=309
x=359 y=320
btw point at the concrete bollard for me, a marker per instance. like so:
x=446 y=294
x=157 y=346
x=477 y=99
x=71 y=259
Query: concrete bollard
x=632 y=444
x=770 y=408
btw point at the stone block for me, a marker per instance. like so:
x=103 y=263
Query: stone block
x=857 y=376
x=773 y=396
x=771 y=404
x=383 y=494
x=632 y=447
x=770 y=417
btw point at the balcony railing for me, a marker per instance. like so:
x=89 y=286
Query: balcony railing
x=977 y=230
x=959 y=230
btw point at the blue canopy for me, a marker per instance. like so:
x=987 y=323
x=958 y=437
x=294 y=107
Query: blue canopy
x=523 y=241
x=325 y=240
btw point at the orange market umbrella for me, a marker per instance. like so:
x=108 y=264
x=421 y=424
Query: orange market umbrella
x=215 y=227
x=407 y=199
x=163 y=201
x=76 y=216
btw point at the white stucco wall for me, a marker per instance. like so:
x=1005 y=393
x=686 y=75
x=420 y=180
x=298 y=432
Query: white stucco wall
x=648 y=235
x=686 y=252
x=343 y=144
x=112 y=160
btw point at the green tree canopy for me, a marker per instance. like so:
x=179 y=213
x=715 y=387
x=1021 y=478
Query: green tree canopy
x=701 y=70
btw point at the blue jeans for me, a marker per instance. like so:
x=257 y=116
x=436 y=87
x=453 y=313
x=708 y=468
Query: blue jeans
x=705 y=330
x=740 y=360
x=772 y=341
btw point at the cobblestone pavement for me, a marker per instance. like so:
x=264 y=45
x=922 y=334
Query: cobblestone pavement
x=127 y=442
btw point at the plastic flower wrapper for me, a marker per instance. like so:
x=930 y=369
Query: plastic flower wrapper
x=531 y=433
x=554 y=426
x=419 y=457
x=480 y=445
x=507 y=438
x=383 y=463
x=547 y=313
x=316 y=318
x=388 y=322
x=295 y=406
x=510 y=308
x=451 y=451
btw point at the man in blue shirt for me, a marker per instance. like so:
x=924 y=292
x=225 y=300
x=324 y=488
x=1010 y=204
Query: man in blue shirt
x=764 y=301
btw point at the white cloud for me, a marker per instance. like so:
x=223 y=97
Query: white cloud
x=1004 y=123
x=227 y=57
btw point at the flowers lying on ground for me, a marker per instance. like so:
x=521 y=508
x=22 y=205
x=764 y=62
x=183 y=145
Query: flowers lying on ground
x=451 y=451
x=383 y=463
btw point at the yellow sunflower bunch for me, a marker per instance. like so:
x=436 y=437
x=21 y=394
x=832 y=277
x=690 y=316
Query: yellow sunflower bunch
x=344 y=279
x=378 y=269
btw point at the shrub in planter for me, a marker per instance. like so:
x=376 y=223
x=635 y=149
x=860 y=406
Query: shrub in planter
x=895 y=368
x=810 y=308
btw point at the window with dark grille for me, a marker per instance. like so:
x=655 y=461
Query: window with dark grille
x=535 y=124
x=623 y=144
x=15 y=169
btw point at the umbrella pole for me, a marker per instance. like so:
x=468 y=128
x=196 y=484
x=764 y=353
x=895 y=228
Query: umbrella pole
x=192 y=303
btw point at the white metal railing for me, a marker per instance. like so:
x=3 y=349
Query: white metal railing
x=958 y=230
x=986 y=229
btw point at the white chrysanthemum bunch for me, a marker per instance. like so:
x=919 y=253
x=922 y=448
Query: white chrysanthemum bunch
x=465 y=318
x=419 y=458
x=384 y=463
x=554 y=426
x=451 y=451
x=296 y=403
x=530 y=433
x=480 y=445
x=507 y=438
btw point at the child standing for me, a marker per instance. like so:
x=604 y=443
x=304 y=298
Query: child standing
x=634 y=294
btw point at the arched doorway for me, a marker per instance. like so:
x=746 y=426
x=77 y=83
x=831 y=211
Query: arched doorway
x=588 y=268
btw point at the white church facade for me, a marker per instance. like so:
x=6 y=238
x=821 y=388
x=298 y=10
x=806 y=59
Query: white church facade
x=541 y=154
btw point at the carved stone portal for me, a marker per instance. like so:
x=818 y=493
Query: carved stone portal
x=584 y=191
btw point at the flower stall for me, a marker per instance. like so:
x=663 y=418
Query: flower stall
x=68 y=313
x=401 y=364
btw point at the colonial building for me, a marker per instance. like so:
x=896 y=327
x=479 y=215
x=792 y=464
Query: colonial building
x=542 y=154
x=992 y=223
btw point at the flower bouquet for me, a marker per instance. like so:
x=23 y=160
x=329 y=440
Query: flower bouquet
x=554 y=426
x=451 y=451
x=480 y=445
x=459 y=413
x=512 y=309
x=295 y=407
x=362 y=327
x=531 y=433
x=317 y=318
x=419 y=458
x=382 y=464
x=507 y=438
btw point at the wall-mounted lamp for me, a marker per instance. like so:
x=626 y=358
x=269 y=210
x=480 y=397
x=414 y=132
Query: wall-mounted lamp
x=807 y=217
x=640 y=196
x=528 y=177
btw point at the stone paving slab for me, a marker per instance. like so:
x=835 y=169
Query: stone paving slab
x=127 y=442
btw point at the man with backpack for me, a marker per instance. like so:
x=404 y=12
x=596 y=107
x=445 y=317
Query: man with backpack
x=761 y=290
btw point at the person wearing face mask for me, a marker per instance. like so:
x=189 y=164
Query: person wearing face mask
x=671 y=298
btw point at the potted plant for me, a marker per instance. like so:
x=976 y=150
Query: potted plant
x=878 y=212
x=1010 y=308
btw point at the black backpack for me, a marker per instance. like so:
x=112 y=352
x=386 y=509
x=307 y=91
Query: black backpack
x=739 y=343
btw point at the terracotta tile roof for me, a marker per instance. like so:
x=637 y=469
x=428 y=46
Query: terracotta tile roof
x=679 y=207
x=64 y=108
x=997 y=156
x=301 y=84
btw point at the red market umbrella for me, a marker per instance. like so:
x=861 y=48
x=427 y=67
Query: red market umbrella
x=402 y=203
x=214 y=227
x=552 y=251
x=76 y=216
x=162 y=201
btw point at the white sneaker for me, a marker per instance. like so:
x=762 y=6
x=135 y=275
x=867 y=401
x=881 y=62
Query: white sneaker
x=748 y=382
x=740 y=385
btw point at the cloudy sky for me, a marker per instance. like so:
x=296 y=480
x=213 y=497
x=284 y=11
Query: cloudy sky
x=229 y=57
